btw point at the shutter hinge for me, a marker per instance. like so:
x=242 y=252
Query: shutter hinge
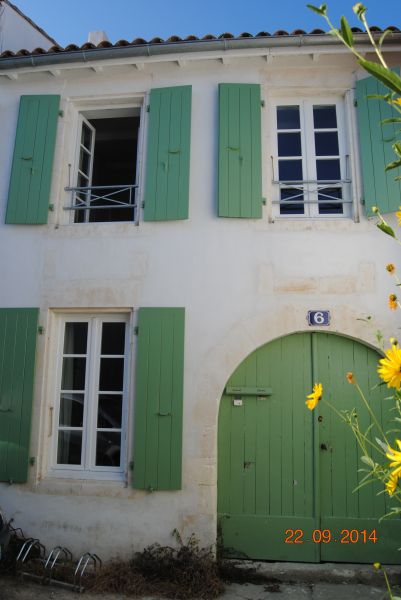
x=264 y=201
x=148 y=108
x=41 y=330
x=32 y=460
x=262 y=103
x=51 y=207
x=136 y=330
x=355 y=102
x=142 y=204
x=131 y=465
x=61 y=113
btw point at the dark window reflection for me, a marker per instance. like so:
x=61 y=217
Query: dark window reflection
x=113 y=338
x=73 y=376
x=69 y=447
x=288 y=117
x=75 y=338
x=111 y=374
x=71 y=410
x=108 y=449
x=328 y=170
x=109 y=411
x=292 y=196
x=324 y=117
x=290 y=170
x=326 y=143
x=289 y=144
x=331 y=208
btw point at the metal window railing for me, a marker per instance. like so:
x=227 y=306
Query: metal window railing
x=314 y=192
x=87 y=198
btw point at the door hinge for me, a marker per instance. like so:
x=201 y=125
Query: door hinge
x=355 y=102
x=136 y=330
x=264 y=201
x=262 y=103
x=32 y=460
x=61 y=113
x=51 y=207
x=148 y=108
x=41 y=330
x=131 y=465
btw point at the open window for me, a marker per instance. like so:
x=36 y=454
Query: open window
x=105 y=179
x=311 y=170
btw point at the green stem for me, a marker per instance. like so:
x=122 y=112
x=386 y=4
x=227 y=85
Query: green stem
x=372 y=414
x=377 y=50
x=388 y=584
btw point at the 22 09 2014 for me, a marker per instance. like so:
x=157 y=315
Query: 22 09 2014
x=326 y=536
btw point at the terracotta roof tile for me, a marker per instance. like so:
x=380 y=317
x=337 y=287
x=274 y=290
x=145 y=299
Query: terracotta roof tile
x=175 y=39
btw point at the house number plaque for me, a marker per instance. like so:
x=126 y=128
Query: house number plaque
x=318 y=317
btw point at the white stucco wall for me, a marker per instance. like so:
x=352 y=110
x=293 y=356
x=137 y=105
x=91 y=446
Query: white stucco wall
x=242 y=283
x=17 y=33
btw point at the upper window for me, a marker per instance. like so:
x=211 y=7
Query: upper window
x=90 y=413
x=311 y=164
x=106 y=166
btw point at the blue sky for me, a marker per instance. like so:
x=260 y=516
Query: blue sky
x=70 y=20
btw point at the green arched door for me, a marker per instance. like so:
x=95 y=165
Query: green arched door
x=286 y=473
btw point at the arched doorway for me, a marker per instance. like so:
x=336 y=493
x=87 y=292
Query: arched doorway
x=286 y=473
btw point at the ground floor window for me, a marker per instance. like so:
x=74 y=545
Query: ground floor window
x=91 y=395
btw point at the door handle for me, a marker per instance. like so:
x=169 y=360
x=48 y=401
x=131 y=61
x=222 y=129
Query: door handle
x=324 y=447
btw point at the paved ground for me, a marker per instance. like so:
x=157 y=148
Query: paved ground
x=274 y=581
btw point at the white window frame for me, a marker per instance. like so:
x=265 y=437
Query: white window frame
x=82 y=109
x=88 y=469
x=306 y=104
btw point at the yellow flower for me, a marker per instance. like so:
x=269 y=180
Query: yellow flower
x=390 y=368
x=390 y=268
x=397 y=101
x=315 y=396
x=398 y=215
x=392 y=302
x=377 y=566
x=395 y=457
x=350 y=377
x=391 y=485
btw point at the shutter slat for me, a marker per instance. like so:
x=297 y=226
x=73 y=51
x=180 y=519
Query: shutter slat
x=168 y=154
x=158 y=399
x=28 y=198
x=18 y=329
x=380 y=188
x=240 y=174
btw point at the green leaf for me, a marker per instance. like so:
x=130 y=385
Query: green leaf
x=394 y=165
x=368 y=461
x=346 y=32
x=390 y=79
x=382 y=444
x=397 y=148
x=386 y=228
x=392 y=120
x=385 y=97
x=321 y=10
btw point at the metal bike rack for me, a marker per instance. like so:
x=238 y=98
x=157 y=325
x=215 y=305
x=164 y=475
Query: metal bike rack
x=82 y=564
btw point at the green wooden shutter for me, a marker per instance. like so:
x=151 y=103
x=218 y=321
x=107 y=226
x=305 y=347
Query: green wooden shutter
x=167 y=164
x=31 y=173
x=376 y=152
x=240 y=156
x=158 y=399
x=18 y=330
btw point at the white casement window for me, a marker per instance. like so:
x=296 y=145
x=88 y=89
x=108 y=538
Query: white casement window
x=90 y=408
x=104 y=178
x=311 y=171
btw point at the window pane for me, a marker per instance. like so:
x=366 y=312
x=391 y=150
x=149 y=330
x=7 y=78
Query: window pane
x=86 y=136
x=328 y=170
x=109 y=411
x=324 y=117
x=290 y=170
x=75 y=338
x=73 y=377
x=113 y=338
x=326 y=143
x=108 y=449
x=288 y=117
x=331 y=208
x=71 y=410
x=292 y=196
x=289 y=144
x=111 y=374
x=69 y=447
